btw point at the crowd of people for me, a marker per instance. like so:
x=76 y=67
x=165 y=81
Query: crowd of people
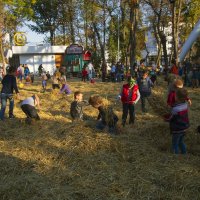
x=189 y=71
x=137 y=87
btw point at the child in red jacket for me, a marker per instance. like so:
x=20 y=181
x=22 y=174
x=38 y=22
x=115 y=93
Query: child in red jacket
x=129 y=96
x=84 y=74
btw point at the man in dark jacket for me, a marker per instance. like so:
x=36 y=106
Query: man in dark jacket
x=9 y=85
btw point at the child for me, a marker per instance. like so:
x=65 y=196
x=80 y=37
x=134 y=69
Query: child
x=145 y=85
x=153 y=76
x=106 y=115
x=28 y=79
x=44 y=81
x=179 y=121
x=28 y=107
x=65 y=88
x=55 y=83
x=172 y=94
x=19 y=73
x=48 y=76
x=84 y=74
x=76 y=109
x=32 y=77
x=129 y=96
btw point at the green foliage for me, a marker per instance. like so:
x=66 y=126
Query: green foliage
x=113 y=41
x=45 y=16
x=88 y=21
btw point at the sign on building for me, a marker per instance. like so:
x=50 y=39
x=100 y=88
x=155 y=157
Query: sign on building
x=74 y=49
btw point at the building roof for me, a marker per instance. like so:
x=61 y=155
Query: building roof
x=38 y=49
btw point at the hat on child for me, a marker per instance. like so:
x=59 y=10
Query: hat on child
x=131 y=81
x=178 y=83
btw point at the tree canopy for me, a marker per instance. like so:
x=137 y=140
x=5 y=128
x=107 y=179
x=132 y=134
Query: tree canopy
x=110 y=28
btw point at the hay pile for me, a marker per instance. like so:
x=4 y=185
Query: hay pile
x=157 y=100
x=55 y=159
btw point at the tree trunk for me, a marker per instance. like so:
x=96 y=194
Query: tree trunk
x=52 y=37
x=71 y=22
x=64 y=34
x=99 y=41
x=175 y=28
x=2 y=56
x=123 y=39
x=159 y=54
x=72 y=31
x=158 y=42
x=104 y=32
x=86 y=27
x=133 y=29
x=163 y=41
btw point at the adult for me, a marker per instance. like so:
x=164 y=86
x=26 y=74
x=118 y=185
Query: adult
x=174 y=68
x=91 y=70
x=113 y=72
x=9 y=84
x=186 y=70
x=88 y=71
x=118 y=72
x=104 y=71
x=40 y=69
x=26 y=71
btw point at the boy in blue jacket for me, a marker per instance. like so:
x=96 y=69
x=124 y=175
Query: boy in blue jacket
x=145 y=84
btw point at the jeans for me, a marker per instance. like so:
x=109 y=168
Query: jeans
x=30 y=111
x=44 y=84
x=4 y=98
x=178 y=142
x=118 y=77
x=100 y=125
x=128 y=108
x=143 y=102
x=54 y=86
x=111 y=128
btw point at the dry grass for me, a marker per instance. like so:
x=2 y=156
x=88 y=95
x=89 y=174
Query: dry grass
x=54 y=159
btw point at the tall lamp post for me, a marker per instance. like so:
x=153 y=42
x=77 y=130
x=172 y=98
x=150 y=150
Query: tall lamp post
x=118 y=32
x=118 y=36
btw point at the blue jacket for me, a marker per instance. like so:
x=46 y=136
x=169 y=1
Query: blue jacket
x=9 y=84
x=145 y=86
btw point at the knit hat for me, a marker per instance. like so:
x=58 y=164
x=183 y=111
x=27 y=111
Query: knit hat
x=178 y=83
x=131 y=81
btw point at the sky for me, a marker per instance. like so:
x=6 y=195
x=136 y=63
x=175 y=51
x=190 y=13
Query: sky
x=33 y=38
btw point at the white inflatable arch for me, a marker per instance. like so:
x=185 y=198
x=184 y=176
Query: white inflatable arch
x=189 y=42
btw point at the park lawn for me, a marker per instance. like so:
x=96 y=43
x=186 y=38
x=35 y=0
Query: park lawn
x=55 y=159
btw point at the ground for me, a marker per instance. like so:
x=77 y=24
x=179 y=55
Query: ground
x=55 y=159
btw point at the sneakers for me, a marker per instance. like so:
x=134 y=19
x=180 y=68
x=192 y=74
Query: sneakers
x=144 y=110
x=28 y=121
x=12 y=116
